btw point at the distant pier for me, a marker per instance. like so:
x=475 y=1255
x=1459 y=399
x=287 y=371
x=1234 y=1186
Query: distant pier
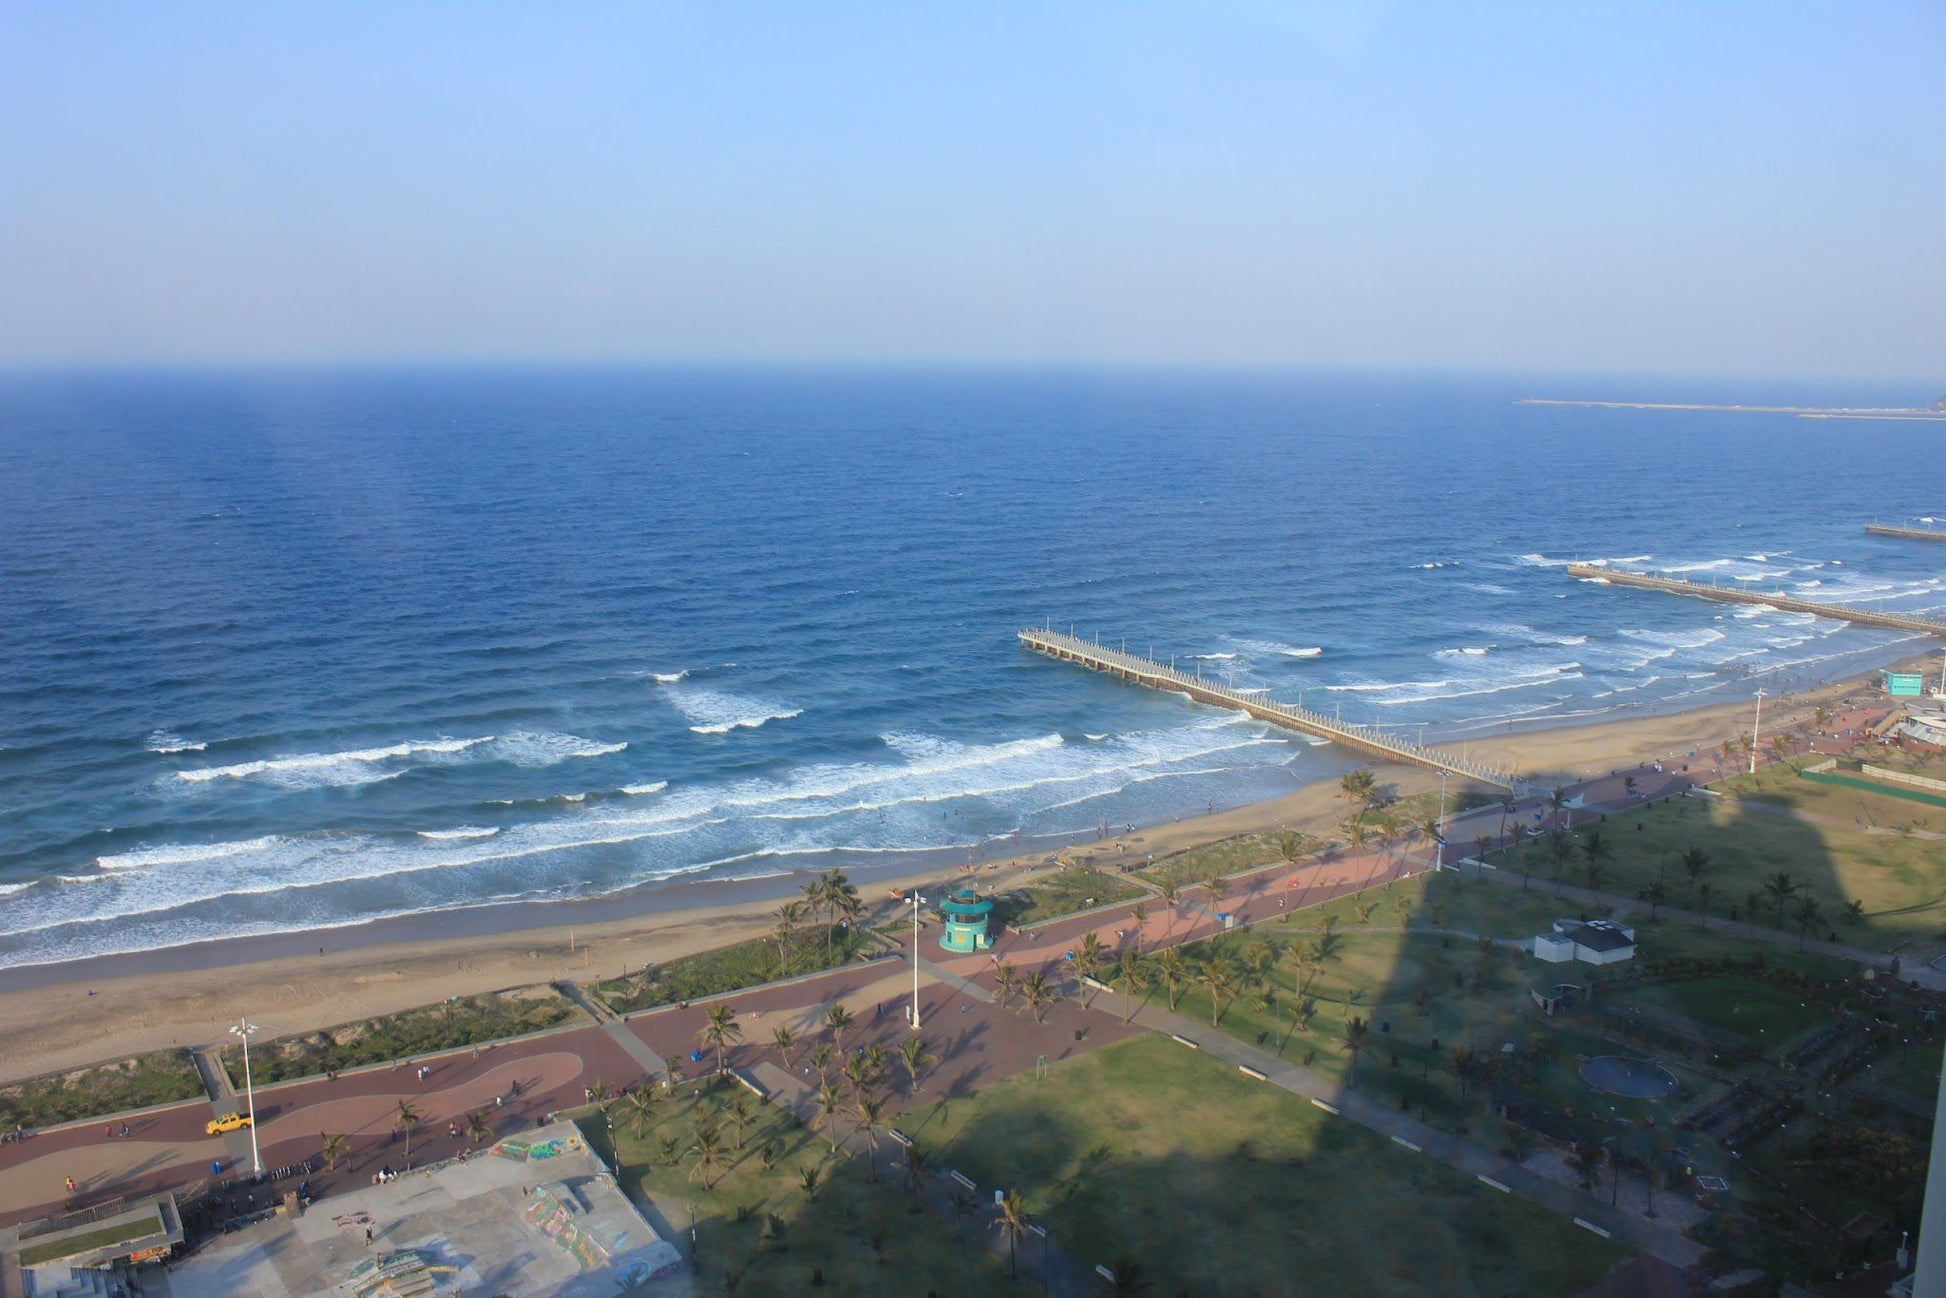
x=1138 y=670
x=1909 y=533
x=1743 y=595
x=1918 y=414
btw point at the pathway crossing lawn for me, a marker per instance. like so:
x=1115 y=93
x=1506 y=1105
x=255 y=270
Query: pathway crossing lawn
x=859 y=1235
x=1768 y=1017
x=1217 y=1184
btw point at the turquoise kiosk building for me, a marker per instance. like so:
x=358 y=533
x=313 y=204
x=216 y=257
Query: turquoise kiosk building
x=965 y=914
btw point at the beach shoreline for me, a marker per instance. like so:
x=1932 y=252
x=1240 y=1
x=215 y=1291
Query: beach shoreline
x=65 y=1015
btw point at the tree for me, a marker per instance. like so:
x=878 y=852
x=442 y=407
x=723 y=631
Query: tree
x=1480 y=845
x=1466 y=1066
x=1290 y=846
x=1854 y=910
x=913 y=1055
x=1088 y=961
x=740 y=1117
x=1132 y=979
x=1006 y=983
x=789 y=916
x=1125 y=1279
x=1559 y=847
x=1220 y=977
x=870 y=1114
x=1173 y=973
x=1557 y=803
x=808 y=1179
x=334 y=1149
x=1655 y=895
x=1011 y=1221
x=406 y=1118
x=477 y=1127
x=786 y=1042
x=1780 y=748
x=821 y=1054
x=1357 y=1035
x=1170 y=890
x=1038 y=993
x=721 y=1032
x=1805 y=913
x=1586 y=1160
x=707 y=1151
x=1694 y=861
x=1781 y=888
x=1358 y=788
x=838 y=1019
x=641 y=1104
x=1594 y=846
x=1141 y=916
x=1364 y=911
x=961 y=1202
x=1628 y=786
x=918 y=1171
x=829 y=1101
x=1704 y=891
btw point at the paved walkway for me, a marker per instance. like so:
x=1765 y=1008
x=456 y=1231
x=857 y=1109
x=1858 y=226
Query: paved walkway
x=652 y=1064
x=1640 y=1233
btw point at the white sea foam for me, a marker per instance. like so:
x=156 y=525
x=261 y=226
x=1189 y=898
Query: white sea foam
x=717 y=712
x=1093 y=738
x=463 y=832
x=149 y=858
x=670 y=678
x=1542 y=561
x=546 y=747
x=638 y=790
x=1279 y=649
x=167 y=741
x=352 y=766
x=9 y=889
x=1215 y=658
x=1464 y=651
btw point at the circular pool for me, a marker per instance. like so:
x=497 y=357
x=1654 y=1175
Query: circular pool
x=1638 y=1079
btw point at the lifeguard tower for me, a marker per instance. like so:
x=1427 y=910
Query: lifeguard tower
x=965 y=914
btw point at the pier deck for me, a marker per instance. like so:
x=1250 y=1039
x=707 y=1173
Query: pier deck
x=1146 y=671
x=1908 y=533
x=1744 y=595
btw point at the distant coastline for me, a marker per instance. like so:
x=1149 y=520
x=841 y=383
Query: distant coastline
x=1917 y=414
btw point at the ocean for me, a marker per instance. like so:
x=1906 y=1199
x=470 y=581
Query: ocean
x=288 y=652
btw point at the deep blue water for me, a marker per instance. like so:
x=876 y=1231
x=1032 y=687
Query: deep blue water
x=293 y=651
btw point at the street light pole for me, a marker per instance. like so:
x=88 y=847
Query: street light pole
x=1439 y=830
x=1754 y=727
x=242 y=1029
x=917 y=901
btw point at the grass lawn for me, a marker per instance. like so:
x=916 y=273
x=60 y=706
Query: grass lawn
x=860 y=1236
x=1243 y=852
x=1766 y=1016
x=35 y=1254
x=1216 y=1184
x=450 y=1025
x=732 y=968
x=136 y=1083
x=1912 y=1069
x=1076 y=887
x=1900 y=880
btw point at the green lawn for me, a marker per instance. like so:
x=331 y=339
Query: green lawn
x=732 y=968
x=1243 y=852
x=1912 y=1069
x=35 y=1254
x=1076 y=887
x=462 y=1021
x=1216 y=1184
x=159 y=1078
x=1766 y=1016
x=858 y=1235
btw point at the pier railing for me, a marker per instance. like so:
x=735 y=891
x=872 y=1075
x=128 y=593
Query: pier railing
x=1908 y=533
x=1147 y=671
x=1742 y=594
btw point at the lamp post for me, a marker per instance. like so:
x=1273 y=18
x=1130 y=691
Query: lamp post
x=1439 y=829
x=1755 y=726
x=917 y=901
x=242 y=1029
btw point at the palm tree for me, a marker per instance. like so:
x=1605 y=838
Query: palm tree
x=642 y=1104
x=1364 y=911
x=1820 y=716
x=1220 y=976
x=1290 y=846
x=1704 y=891
x=1357 y=788
x=1125 y=1279
x=1780 y=747
x=913 y=1055
x=1141 y=916
x=1170 y=890
x=960 y=1202
x=808 y=1178
x=1088 y=962
x=597 y=1091
x=1038 y=993
x=721 y=1032
x=1655 y=896
x=858 y=1074
x=1694 y=861
x=1805 y=913
x=1011 y=1221
x=478 y=1128
x=871 y=1119
x=1595 y=847
x=829 y=1101
x=1169 y=967
x=789 y=916
x=707 y=1150
x=815 y=899
x=786 y=1042
x=1557 y=802
x=404 y=1121
x=1132 y=979
x=334 y=1149
x=918 y=1171
x=1359 y=833
x=1006 y=983
x=1781 y=888
x=1466 y=1066
x=838 y=1019
x=1481 y=843
x=1357 y=1032
x=1559 y=847
x=821 y=1053
x=740 y=1116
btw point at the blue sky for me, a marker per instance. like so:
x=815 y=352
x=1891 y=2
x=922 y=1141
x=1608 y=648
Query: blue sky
x=1693 y=188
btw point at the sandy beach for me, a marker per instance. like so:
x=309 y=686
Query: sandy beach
x=65 y=1016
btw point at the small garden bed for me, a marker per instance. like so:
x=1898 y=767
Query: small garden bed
x=137 y=1083
x=732 y=968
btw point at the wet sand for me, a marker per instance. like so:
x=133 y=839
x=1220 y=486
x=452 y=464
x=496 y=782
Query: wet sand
x=64 y=1016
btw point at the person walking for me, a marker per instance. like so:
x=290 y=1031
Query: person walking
x=70 y=1185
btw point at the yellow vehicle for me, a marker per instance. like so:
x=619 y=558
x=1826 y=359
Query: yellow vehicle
x=228 y=1122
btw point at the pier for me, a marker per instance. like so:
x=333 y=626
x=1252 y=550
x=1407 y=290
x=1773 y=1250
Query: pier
x=1138 y=670
x=1908 y=533
x=1743 y=595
